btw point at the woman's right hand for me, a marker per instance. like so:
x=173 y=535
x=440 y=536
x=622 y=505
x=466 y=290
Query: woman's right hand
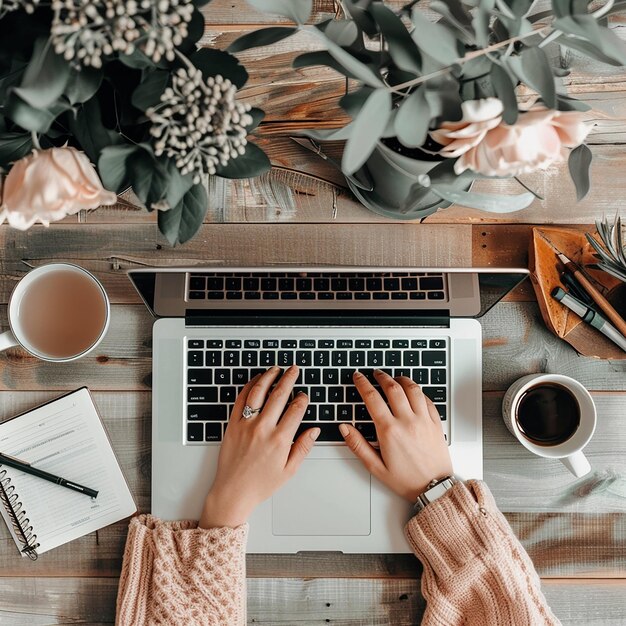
x=412 y=449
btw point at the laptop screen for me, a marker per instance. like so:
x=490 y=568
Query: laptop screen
x=331 y=292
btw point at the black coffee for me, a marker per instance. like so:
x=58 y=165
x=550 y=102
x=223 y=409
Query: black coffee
x=548 y=414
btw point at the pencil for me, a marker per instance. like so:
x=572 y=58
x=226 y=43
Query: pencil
x=603 y=304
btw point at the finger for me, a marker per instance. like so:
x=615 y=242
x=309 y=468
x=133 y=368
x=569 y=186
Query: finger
x=433 y=411
x=301 y=448
x=258 y=393
x=292 y=417
x=394 y=393
x=241 y=400
x=369 y=456
x=279 y=397
x=374 y=402
x=414 y=394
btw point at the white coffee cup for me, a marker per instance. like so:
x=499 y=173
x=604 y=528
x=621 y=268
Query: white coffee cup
x=16 y=311
x=569 y=452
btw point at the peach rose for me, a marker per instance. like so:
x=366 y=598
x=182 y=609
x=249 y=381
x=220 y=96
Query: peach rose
x=47 y=185
x=479 y=117
x=539 y=138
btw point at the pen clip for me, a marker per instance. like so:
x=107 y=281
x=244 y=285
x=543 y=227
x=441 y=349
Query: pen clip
x=8 y=456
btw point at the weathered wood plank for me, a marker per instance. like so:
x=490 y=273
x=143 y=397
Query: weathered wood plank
x=289 y=601
x=109 y=250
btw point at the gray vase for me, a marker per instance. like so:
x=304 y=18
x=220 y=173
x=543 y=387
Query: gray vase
x=393 y=176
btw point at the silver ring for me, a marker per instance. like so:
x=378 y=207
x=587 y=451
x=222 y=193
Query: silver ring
x=249 y=412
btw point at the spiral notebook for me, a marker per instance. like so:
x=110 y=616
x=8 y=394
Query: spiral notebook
x=65 y=437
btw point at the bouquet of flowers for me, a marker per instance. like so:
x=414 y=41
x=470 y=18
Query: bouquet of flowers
x=438 y=104
x=120 y=84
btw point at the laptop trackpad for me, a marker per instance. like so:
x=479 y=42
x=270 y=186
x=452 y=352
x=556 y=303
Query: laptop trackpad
x=325 y=497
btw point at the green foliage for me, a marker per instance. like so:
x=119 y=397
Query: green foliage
x=102 y=111
x=579 y=164
x=261 y=37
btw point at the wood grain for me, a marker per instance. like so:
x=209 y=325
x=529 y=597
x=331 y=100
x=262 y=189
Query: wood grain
x=287 y=602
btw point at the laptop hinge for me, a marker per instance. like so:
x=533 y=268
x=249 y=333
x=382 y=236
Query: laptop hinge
x=344 y=319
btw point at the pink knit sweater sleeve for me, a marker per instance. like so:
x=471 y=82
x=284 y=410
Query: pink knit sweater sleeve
x=476 y=572
x=175 y=573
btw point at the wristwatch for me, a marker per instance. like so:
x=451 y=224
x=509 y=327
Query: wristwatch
x=435 y=489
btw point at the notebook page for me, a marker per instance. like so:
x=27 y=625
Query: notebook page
x=66 y=438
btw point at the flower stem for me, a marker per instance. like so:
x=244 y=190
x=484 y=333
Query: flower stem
x=35 y=140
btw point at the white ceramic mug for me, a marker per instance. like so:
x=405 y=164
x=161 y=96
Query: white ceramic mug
x=569 y=452
x=16 y=336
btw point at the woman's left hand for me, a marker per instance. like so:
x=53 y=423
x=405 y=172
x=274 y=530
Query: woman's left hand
x=257 y=456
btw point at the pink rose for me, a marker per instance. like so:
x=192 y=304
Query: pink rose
x=479 y=117
x=539 y=138
x=47 y=185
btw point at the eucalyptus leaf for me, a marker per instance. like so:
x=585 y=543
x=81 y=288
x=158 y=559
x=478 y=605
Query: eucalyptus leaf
x=505 y=90
x=14 y=146
x=87 y=127
x=257 y=117
x=579 y=163
x=352 y=102
x=32 y=118
x=402 y=48
x=148 y=93
x=137 y=60
x=566 y=103
x=586 y=27
x=359 y=12
x=533 y=68
x=343 y=32
x=413 y=119
x=484 y=202
x=358 y=69
x=587 y=49
x=297 y=10
x=334 y=134
x=45 y=76
x=321 y=57
x=112 y=166
x=367 y=129
x=253 y=162
x=177 y=184
x=261 y=37
x=182 y=222
x=435 y=39
x=195 y=30
x=212 y=61
x=83 y=84
x=142 y=173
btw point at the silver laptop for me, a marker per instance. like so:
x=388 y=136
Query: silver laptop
x=218 y=327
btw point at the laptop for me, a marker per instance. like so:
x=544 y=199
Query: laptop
x=218 y=327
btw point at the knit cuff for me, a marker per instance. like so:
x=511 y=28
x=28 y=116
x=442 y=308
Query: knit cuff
x=456 y=528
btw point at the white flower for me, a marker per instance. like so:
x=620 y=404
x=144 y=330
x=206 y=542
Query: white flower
x=198 y=123
x=7 y=6
x=49 y=184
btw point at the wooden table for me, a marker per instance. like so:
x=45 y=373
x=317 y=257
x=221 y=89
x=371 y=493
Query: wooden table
x=300 y=214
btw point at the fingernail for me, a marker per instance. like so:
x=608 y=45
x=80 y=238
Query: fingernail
x=314 y=433
x=301 y=393
x=377 y=371
x=344 y=430
x=358 y=375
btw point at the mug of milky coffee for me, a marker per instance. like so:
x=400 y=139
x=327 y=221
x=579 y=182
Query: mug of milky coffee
x=553 y=416
x=57 y=312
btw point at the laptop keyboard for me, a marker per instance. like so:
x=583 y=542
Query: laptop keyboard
x=217 y=370
x=318 y=286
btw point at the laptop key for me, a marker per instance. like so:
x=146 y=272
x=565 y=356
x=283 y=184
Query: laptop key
x=346 y=377
x=352 y=395
x=417 y=295
x=402 y=371
x=437 y=343
x=393 y=357
x=195 y=343
x=252 y=343
x=420 y=376
x=240 y=376
x=197 y=282
x=215 y=283
x=335 y=394
x=215 y=295
x=318 y=394
x=326 y=343
x=199 y=377
x=434 y=358
x=309 y=344
x=399 y=295
x=443 y=411
x=228 y=394
x=270 y=343
x=438 y=377
x=201 y=394
x=328 y=432
x=330 y=376
x=252 y=295
x=344 y=343
x=313 y=376
x=367 y=429
x=249 y=358
x=436 y=394
x=213 y=432
x=339 y=358
x=431 y=283
x=213 y=358
x=362 y=295
x=303 y=358
x=375 y=358
x=326 y=412
x=270 y=295
x=207 y=412
x=418 y=343
x=288 y=343
x=231 y=358
x=194 y=357
x=321 y=358
x=285 y=358
x=363 y=343
x=345 y=412
x=222 y=377
x=411 y=358
x=195 y=432
x=400 y=343
x=267 y=358
x=357 y=358
x=311 y=413
x=361 y=412
x=381 y=343
x=436 y=295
